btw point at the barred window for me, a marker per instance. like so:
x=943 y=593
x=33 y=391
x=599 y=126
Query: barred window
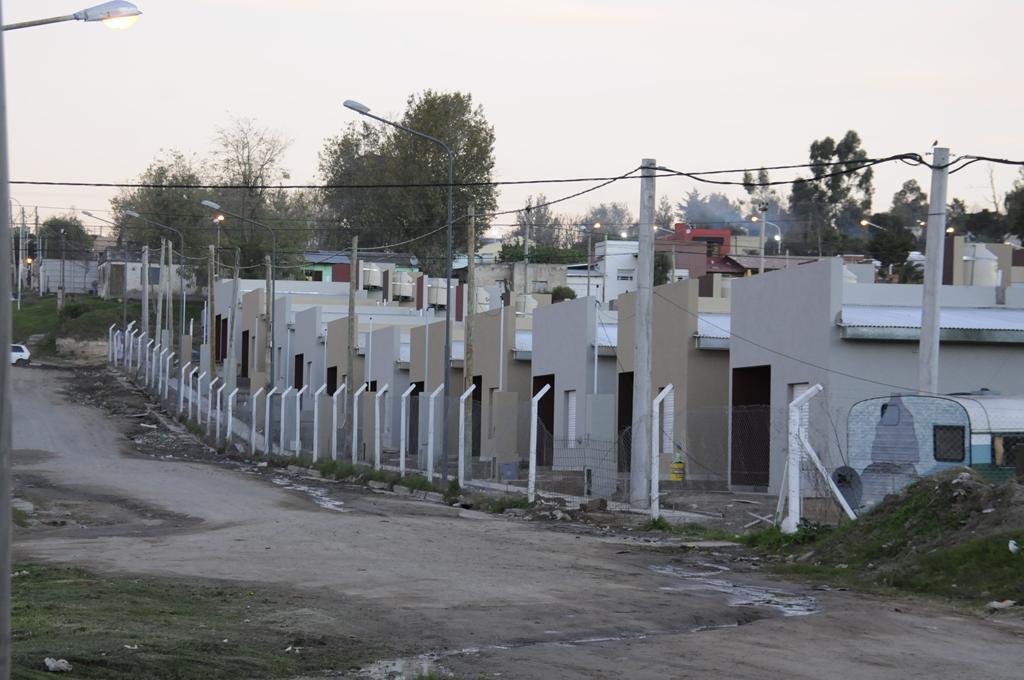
x=949 y=443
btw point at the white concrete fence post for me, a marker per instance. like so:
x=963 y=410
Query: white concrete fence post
x=268 y=445
x=403 y=437
x=151 y=368
x=209 y=404
x=334 y=421
x=129 y=337
x=656 y=439
x=430 y=432
x=316 y=421
x=191 y=394
x=181 y=388
x=378 y=429
x=216 y=432
x=252 y=425
x=355 y=420
x=167 y=374
x=110 y=343
x=531 y=487
x=128 y=352
x=284 y=401
x=199 y=398
x=297 y=442
x=793 y=460
x=462 y=434
x=161 y=361
x=148 y=362
x=230 y=430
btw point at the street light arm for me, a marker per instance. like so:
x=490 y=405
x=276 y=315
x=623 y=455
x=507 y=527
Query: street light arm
x=39 y=22
x=116 y=14
x=217 y=208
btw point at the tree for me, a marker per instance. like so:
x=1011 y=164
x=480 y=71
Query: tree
x=77 y=242
x=956 y=212
x=838 y=193
x=665 y=214
x=891 y=244
x=662 y=268
x=613 y=218
x=545 y=227
x=714 y=211
x=562 y=293
x=1015 y=207
x=379 y=154
x=910 y=205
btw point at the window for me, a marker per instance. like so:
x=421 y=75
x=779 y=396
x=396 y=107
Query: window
x=890 y=414
x=1007 y=449
x=949 y=443
x=490 y=411
x=625 y=274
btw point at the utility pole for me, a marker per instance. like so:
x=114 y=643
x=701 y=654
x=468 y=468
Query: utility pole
x=760 y=247
x=60 y=293
x=589 y=235
x=642 y=391
x=145 y=290
x=470 y=311
x=230 y=367
x=268 y=316
x=928 y=353
x=158 y=336
x=353 y=325
x=124 y=290
x=526 y=258
x=214 y=332
x=170 y=294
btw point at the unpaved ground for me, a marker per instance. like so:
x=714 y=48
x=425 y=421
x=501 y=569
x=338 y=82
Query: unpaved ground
x=482 y=596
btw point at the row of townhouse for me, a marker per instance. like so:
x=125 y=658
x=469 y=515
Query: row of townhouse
x=735 y=362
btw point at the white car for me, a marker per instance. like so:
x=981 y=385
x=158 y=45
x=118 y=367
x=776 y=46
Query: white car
x=20 y=356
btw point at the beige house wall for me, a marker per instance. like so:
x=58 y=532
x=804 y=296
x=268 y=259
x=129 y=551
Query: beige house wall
x=253 y=309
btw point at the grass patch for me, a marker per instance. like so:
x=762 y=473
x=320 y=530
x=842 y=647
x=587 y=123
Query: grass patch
x=19 y=517
x=182 y=630
x=944 y=536
x=417 y=483
x=502 y=503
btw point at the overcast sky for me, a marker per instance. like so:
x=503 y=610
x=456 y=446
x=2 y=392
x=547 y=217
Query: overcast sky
x=572 y=87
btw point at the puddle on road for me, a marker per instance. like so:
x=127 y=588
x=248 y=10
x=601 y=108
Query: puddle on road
x=738 y=595
x=319 y=496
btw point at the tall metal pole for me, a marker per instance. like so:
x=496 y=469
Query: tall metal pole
x=159 y=323
x=214 y=333
x=124 y=292
x=268 y=322
x=642 y=391
x=760 y=247
x=589 y=234
x=5 y=388
x=448 y=319
x=928 y=353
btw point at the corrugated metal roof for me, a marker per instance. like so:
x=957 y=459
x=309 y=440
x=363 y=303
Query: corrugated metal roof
x=714 y=326
x=607 y=335
x=962 y=318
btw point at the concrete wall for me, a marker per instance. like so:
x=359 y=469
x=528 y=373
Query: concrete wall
x=80 y=277
x=791 y=314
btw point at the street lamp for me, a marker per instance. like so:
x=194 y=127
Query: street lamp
x=94 y=14
x=181 y=255
x=867 y=223
x=364 y=110
x=116 y=14
x=273 y=278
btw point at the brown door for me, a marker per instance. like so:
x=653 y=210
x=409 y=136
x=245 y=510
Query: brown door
x=244 y=372
x=300 y=365
x=751 y=425
x=545 y=420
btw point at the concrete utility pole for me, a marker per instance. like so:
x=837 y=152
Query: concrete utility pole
x=124 y=292
x=214 y=332
x=935 y=242
x=145 y=291
x=268 y=296
x=60 y=292
x=526 y=257
x=642 y=391
x=170 y=293
x=470 y=310
x=760 y=247
x=158 y=336
x=353 y=326
x=230 y=367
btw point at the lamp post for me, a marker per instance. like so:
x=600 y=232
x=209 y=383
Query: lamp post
x=364 y=110
x=777 y=238
x=121 y=13
x=590 y=232
x=117 y=14
x=273 y=262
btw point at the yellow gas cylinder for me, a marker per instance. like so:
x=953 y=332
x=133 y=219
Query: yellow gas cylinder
x=677 y=470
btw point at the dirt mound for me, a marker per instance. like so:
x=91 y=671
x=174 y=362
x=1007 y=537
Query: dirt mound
x=947 y=535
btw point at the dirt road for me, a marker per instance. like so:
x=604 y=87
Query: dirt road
x=485 y=596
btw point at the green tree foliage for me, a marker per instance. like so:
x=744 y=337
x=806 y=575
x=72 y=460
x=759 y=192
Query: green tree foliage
x=893 y=243
x=665 y=214
x=367 y=153
x=77 y=242
x=1015 y=207
x=546 y=228
x=836 y=196
x=662 y=268
x=512 y=251
x=986 y=226
x=714 y=211
x=614 y=218
x=910 y=205
x=562 y=293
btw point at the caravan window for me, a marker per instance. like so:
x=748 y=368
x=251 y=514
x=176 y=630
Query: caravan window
x=890 y=414
x=949 y=443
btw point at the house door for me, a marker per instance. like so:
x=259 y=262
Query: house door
x=751 y=426
x=244 y=373
x=624 y=418
x=414 y=418
x=300 y=365
x=545 y=420
x=476 y=404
